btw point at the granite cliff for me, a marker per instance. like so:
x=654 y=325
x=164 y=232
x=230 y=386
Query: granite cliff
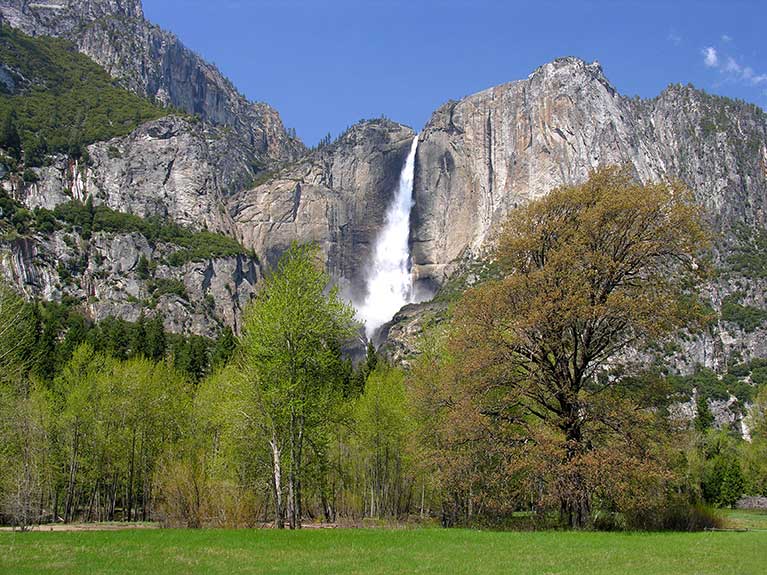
x=483 y=155
x=337 y=196
x=220 y=163
x=153 y=62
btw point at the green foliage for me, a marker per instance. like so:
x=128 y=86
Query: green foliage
x=17 y=336
x=747 y=317
x=166 y=286
x=383 y=424
x=143 y=270
x=224 y=348
x=723 y=481
x=62 y=97
x=711 y=386
x=704 y=419
x=291 y=363
x=57 y=329
x=749 y=256
x=191 y=354
x=9 y=137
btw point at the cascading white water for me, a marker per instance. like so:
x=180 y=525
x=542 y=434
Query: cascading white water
x=390 y=283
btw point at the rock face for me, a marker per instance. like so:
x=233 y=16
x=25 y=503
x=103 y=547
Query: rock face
x=336 y=196
x=488 y=153
x=154 y=63
x=167 y=168
x=483 y=156
x=104 y=274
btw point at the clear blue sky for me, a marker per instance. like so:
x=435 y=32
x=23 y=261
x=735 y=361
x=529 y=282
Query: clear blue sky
x=326 y=64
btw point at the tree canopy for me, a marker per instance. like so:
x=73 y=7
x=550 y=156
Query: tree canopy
x=590 y=273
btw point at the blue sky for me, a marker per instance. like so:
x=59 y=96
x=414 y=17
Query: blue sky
x=326 y=64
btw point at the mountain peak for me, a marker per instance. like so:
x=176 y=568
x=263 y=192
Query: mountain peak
x=570 y=64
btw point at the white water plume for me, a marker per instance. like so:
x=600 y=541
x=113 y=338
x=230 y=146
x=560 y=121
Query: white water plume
x=390 y=283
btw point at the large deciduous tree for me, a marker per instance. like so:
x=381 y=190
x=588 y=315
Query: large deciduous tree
x=590 y=272
x=291 y=362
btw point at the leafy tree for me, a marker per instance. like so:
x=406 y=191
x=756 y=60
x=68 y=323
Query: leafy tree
x=155 y=343
x=224 y=348
x=590 y=271
x=754 y=453
x=383 y=424
x=292 y=336
x=731 y=489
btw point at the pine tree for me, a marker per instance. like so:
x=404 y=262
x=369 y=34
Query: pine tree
x=732 y=485
x=705 y=419
x=155 y=339
x=11 y=140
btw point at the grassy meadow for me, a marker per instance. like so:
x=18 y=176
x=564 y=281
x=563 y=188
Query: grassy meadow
x=379 y=551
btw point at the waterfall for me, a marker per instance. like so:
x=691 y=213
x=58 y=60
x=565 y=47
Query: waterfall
x=389 y=282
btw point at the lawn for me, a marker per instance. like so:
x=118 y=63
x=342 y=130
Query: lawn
x=377 y=551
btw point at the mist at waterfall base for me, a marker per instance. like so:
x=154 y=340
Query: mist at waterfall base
x=390 y=281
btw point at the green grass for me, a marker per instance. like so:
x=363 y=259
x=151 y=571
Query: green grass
x=377 y=551
x=746 y=519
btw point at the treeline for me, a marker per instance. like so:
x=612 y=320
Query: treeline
x=531 y=407
x=87 y=408
x=53 y=331
x=56 y=100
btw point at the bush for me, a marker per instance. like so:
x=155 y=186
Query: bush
x=676 y=516
x=165 y=286
x=189 y=498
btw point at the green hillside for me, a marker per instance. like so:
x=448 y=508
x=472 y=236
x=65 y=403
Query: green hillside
x=59 y=100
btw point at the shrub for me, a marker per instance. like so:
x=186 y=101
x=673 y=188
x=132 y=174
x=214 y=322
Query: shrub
x=676 y=515
x=746 y=317
x=189 y=497
x=164 y=286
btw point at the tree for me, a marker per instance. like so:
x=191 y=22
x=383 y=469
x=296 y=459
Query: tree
x=16 y=335
x=382 y=425
x=731 y=488
x=290 y=361
x=590 y=271
x=704 y=418
x=155 y=339
x=11 y=140
x=224 y=348
x=755 y=452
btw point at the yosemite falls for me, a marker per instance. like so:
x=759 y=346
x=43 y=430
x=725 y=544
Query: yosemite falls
x=389 y=282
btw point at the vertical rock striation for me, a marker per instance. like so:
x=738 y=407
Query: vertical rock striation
x=488 y=153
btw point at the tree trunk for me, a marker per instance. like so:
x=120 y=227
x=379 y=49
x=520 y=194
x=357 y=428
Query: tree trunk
x=576 y=504
x=297 y=507
x=72 y=476
x=130 y=477
x=279 y=516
